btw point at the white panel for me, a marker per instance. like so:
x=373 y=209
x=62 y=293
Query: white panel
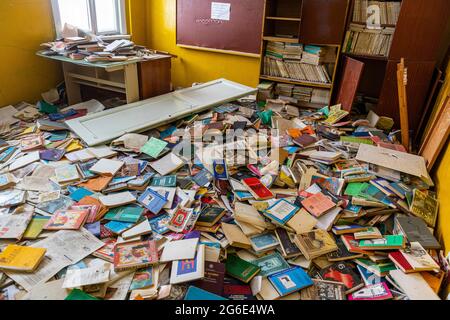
x=140 y=116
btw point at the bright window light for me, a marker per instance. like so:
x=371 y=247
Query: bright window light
x=98 y=16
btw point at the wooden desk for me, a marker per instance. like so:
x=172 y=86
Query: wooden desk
x=138 y=79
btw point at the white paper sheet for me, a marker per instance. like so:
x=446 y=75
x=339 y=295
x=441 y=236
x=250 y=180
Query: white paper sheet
x=64 y=248
x=220 y=11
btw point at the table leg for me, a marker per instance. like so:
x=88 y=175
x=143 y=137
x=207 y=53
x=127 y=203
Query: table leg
x=72 y=88
x=131 y=83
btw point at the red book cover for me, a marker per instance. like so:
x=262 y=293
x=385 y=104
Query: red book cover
x=400 y=261
x=318 y=204
x=258 y=189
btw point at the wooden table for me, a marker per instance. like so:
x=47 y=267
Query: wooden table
x=138 y=79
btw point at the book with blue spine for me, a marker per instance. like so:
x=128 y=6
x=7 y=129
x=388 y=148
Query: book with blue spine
x=197 y=294
x=152 y=200
x=281 y=212
x=290 y=281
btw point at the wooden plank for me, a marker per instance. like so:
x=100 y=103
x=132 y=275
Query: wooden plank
x=438 y=136
x=351 y=77
x=403 y=103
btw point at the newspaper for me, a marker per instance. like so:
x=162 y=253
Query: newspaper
x=64 y=248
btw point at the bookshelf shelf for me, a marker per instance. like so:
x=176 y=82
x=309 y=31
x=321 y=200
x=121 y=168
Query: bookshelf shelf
x=284 y=19
x=365 y=56
x=280 y=39
x=297 y=82
x=317 y=27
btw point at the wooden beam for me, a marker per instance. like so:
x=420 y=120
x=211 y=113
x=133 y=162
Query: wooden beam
x=402 y=79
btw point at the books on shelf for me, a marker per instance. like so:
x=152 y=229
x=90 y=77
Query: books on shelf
x=298 y=62
x=363 y=41
x=389 y=11
x=296 y=70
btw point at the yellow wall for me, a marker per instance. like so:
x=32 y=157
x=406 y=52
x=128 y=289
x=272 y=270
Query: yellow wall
x=25 y=24
x=194 y=65
x=442 y=178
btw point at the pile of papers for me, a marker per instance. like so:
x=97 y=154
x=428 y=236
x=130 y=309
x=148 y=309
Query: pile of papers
x=295 y=204
x=93 y=48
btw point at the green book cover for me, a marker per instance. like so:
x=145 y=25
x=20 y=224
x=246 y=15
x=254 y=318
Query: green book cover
x=125 y=214
x=377 y=268
x=210 y=216
x=387 y=241
x=271 y=264
x=154 y=147
x=356 y=140
x=241 y=269
x=166 y=181
x=77 y=294
x=354 y=189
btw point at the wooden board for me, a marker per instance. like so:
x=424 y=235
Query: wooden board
x=241 y=34
x=351 y=77
x=102 y=127
x=438 y=136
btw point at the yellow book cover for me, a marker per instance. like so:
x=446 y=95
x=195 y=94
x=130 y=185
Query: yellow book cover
x=20 y=258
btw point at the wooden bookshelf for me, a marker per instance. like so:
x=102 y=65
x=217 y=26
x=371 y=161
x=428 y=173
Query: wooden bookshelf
x=419 y=38
x=307 y=22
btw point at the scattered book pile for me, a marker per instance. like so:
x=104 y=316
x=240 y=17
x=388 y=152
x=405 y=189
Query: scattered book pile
x=389 y=11
x=298 y=62
x=326 y=214
x=364 y=41
x=92 y=48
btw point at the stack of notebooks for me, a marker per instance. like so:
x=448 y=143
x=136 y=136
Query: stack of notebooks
x=389 y=11
x=364 y=41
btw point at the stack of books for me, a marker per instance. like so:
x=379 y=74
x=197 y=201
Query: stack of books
x=291 y=61
x=364 y=41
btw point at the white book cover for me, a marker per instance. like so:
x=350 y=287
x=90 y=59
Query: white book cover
x=167 y=164
x=138 y=230
x=179 y=250
x=83 y=277
x=117 y=199
x=24 y=161
x=189 y=270
x=107 y=166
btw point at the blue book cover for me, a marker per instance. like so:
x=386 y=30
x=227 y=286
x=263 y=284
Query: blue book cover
x=80 y=193
x=291 y=280
x=220 y=169
x=368 y=277
x=118 y=227
x=281 y=212
x=152 y=200
x=197 y=294
x=159 y=224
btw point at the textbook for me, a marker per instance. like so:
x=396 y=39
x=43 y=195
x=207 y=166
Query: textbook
x=35 y=227
x=125 y=214
x=189 y=270
x=379 y=269
x=389 y=242
x=270 y=264
x=214 y=278
x=318 y=204
x=210 y=216
x=413 y=258
x=235 y=236
x=290 y=280
x=379 y=291
x=241 y=269
x=415 y=230
x=196 y=294
x=324 y=290
x=67 y=220
x=288 y=248
x=263 y=242
x=344 y=273
x=22 y=259
x=315 y=243
x=425 y=207
x=281 y=212
x=135 y=255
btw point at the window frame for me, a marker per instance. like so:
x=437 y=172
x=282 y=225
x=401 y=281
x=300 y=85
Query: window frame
x=92 y=18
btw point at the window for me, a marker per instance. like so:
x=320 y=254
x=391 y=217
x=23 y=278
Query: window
x=101 y=17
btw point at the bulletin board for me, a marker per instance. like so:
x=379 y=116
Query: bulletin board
x=229 y=26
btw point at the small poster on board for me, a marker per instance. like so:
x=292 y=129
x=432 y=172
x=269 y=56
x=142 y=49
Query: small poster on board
x=220 y=11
